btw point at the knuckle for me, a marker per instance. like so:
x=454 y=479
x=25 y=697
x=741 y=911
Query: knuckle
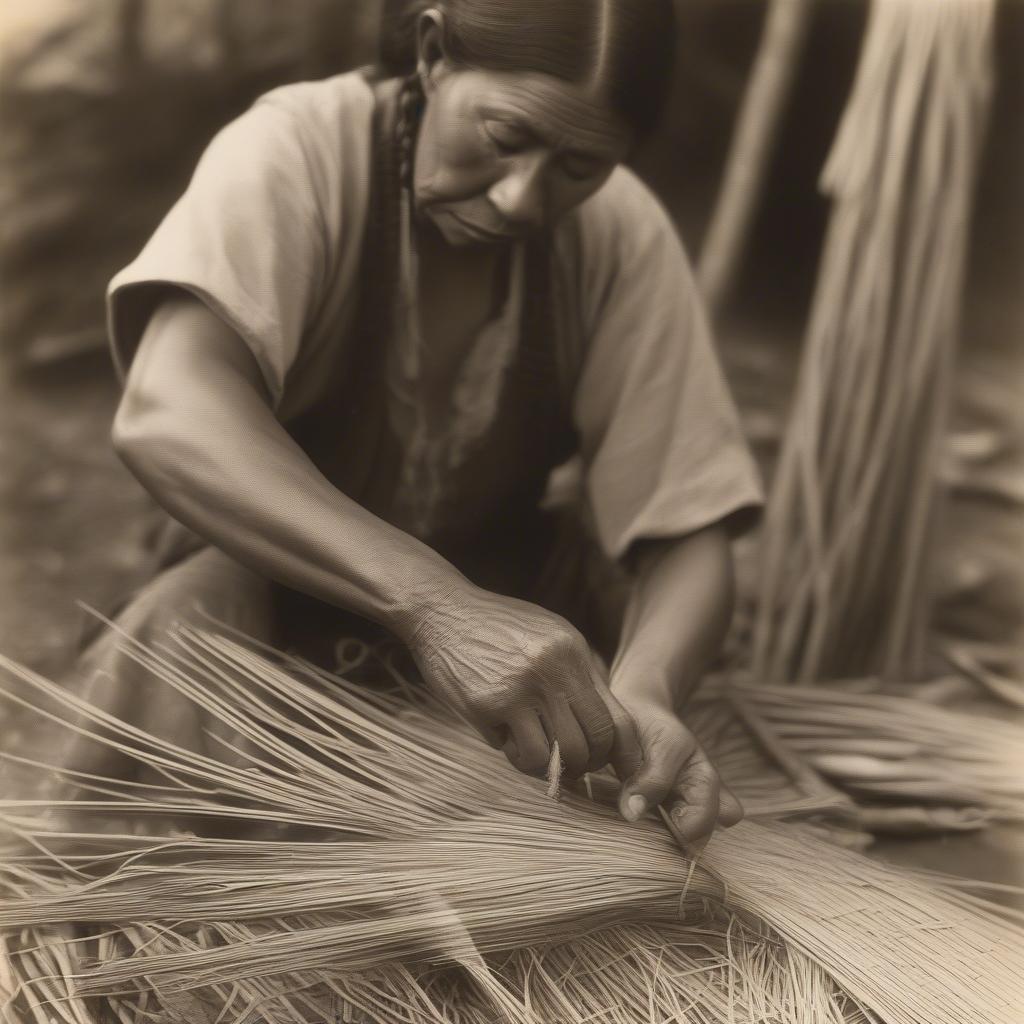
x=704 y=771
x=680 y=737
x=476 y=710
x=562 y=661
x=657 y=784
x=497 y=704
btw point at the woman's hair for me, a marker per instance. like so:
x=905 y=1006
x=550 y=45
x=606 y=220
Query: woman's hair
x=624 y=46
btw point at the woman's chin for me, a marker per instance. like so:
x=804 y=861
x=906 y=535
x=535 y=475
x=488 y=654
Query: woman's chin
x=461 y=239
x=463 y=233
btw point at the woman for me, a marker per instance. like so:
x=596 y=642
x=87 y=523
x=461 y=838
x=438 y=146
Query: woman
x=388 y=305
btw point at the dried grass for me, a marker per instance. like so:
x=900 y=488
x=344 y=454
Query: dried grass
x=397 y=868
x=886 y=747
x=844 y=584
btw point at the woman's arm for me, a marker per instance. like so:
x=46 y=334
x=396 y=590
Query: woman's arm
x=196 y=427
x=676 y=621
x=678 y=615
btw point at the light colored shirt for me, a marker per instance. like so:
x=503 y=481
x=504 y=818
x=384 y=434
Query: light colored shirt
x=269 y=234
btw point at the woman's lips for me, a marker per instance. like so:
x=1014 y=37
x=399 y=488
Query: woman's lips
x=484 y=234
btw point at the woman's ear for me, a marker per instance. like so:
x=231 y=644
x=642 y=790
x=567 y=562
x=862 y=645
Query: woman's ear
x=429 y=44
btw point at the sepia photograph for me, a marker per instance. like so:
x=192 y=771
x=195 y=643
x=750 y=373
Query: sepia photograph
x=512 y=512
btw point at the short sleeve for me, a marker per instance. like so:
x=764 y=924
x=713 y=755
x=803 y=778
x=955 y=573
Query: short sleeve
x=247 y=238
x=662 y=444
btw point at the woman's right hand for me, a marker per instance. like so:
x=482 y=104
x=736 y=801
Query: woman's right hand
x=195 y=398
x=521 y=675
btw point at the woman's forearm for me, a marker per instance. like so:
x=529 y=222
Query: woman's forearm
x=209 y=449
x=677 y=617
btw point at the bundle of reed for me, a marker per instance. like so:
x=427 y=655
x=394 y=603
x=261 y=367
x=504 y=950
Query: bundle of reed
x=912 y=766
x=770 y=778
x=844 y=586
x=392 y=867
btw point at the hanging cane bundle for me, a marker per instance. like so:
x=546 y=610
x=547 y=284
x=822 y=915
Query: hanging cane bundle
x=844 y=587
x=392 y=867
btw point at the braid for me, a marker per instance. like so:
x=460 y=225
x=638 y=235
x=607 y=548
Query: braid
x=392 y=166
x=410 y=109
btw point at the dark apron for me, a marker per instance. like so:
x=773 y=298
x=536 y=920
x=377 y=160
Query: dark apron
x=487 y=523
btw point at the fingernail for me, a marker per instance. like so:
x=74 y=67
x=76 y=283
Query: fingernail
x=635 y=806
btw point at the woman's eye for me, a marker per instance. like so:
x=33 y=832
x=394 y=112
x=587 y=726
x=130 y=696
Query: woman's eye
x=581 y=167
x=506 y=137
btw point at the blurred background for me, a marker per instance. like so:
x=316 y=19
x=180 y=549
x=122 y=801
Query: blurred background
x=105 y=106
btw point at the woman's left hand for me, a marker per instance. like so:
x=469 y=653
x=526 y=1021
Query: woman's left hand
x=676 y=620
x=662 y=762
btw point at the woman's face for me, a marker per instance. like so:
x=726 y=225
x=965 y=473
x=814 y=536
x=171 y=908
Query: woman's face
x=501 y=154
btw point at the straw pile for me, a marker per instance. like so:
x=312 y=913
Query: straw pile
x=394 y=868
x=911 y=766
x=844 y=587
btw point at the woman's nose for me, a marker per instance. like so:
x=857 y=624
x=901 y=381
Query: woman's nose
x=519 y=196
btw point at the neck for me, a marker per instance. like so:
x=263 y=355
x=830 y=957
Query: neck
x=447 y=269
